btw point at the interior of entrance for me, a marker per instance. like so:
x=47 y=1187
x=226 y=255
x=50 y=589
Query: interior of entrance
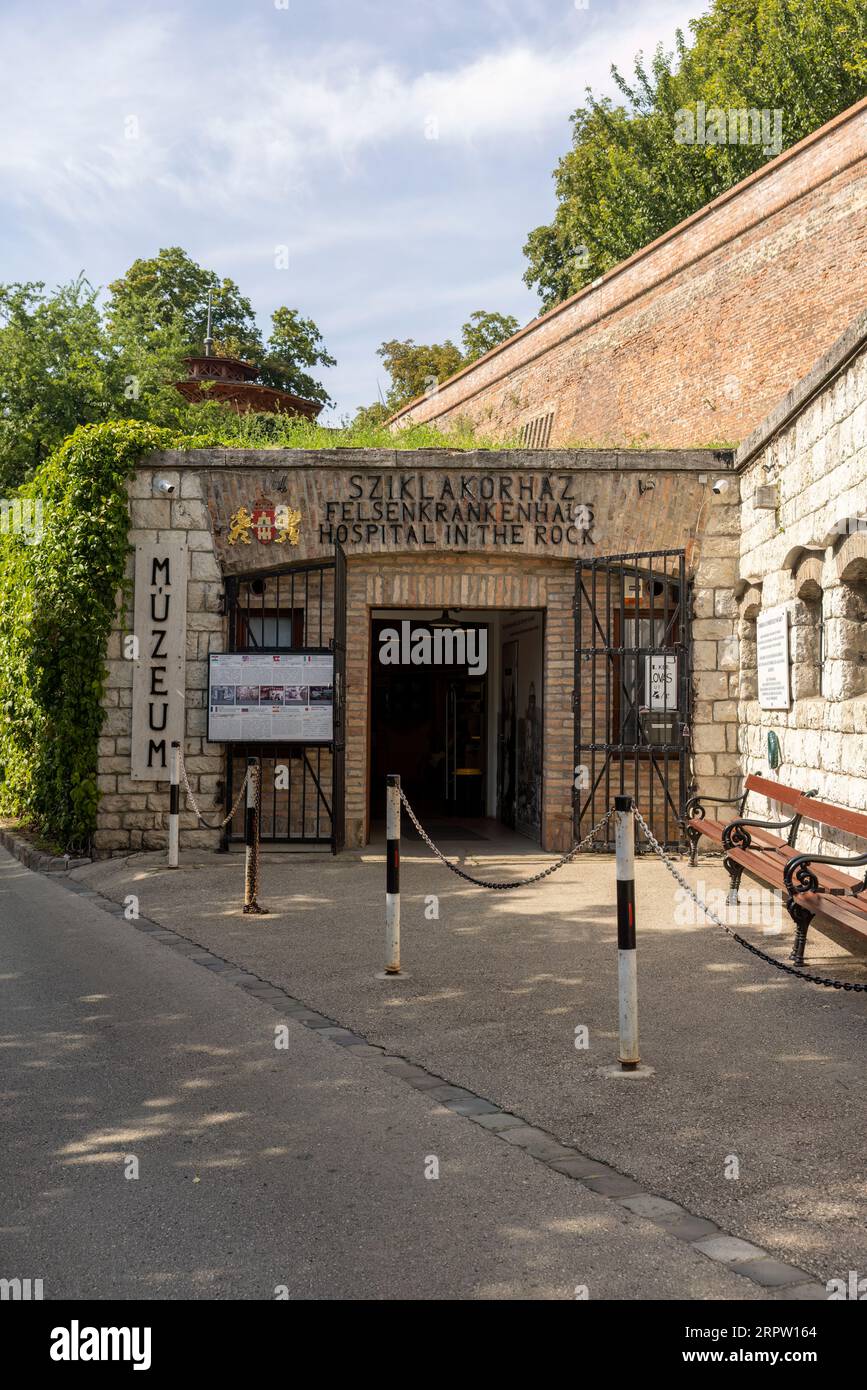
x=457 y=710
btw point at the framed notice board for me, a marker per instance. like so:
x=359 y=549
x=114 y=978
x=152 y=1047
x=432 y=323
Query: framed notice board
x=259 y=698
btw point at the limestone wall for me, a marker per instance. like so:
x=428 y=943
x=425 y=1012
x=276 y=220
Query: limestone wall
x=132 y=814
x=810 y=554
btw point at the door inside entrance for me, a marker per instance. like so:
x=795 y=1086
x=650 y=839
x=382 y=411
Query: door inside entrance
x=429 y=724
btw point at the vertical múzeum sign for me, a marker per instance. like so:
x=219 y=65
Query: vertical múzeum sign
x=159 y=651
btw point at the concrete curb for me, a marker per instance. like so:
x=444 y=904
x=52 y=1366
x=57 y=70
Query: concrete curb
x=37 y=859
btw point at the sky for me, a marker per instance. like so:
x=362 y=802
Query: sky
x=376 y=164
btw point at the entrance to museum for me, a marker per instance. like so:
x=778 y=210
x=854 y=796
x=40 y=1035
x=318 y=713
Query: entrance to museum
x=458 y=715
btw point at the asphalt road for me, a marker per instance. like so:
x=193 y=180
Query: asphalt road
x=259 y=1167
x=748 y=1063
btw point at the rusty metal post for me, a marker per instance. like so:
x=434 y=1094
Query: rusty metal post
x=251 y=837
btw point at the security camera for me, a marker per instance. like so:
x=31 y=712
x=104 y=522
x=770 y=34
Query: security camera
x=721 y=485
x=165 y=487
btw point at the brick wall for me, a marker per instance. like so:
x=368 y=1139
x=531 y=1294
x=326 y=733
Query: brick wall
x=465 y=582
x=695 y=338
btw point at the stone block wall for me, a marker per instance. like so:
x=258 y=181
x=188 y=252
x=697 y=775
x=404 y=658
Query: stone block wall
x=715 y=651
x=810 y=554
x=133 y=814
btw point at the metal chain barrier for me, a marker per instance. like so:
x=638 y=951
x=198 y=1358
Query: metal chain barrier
x=512 y=883
x=748 y=945
x=195 y=806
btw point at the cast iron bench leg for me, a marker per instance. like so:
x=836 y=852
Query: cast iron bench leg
x=802 y=919
x=693 y=836
x=735 y=873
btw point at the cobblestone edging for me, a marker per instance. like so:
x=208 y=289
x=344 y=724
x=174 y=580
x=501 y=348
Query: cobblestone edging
x=769 y=1274
x=37 y=859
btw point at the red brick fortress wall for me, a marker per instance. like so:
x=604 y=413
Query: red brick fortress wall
x=694 y=339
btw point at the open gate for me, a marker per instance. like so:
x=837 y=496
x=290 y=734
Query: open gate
x=299 y=610
x=632 y=689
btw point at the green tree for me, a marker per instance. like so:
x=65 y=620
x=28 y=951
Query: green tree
x=484 y=331
x=158 y=312
x=166 y=297
x=64 y=363
x=630 y=175
x=57 y=370
x=416 y=368
x=295 y=343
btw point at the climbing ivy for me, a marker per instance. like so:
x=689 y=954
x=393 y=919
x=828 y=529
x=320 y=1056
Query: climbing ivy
x=60 y=574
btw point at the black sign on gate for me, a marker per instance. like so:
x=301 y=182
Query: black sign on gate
x=297 y=610
x=632 y=690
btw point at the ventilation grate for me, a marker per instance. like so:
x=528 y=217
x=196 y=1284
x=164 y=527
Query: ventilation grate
x=536 y=434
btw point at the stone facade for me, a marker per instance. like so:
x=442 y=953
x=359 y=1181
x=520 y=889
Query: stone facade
x=534 y=513
x=526 y=518
x=810 y=554
x=696 y=337
x=132 y=814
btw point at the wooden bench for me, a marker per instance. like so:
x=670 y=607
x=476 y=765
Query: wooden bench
x=697 y=823
x=811 y=884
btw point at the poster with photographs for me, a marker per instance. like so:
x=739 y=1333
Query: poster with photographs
x=280 y=699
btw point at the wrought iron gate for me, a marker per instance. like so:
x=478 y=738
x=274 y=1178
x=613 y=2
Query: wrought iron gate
x=295 y=609
x=632 y=689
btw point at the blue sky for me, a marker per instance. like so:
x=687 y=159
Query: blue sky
x=401 y=149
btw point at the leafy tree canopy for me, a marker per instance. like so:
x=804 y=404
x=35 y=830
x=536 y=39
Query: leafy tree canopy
x=484 y=331
x=417 y=369
x=57 y=371
x=633 y=172
x=65 y=362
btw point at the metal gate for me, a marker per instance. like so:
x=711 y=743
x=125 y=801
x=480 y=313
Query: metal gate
x=297 y=609
x=632 y=689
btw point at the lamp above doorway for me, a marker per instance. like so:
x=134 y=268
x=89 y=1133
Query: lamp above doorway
x=445 y=621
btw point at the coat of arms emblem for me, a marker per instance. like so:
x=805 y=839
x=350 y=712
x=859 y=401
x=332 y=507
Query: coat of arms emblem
x=265 y=523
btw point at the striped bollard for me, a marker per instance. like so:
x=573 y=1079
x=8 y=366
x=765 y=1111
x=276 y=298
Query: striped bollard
x=392 y=874
x=174 y=802
x=627 y=969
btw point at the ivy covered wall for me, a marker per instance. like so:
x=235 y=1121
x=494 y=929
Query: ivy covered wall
x=63 y=549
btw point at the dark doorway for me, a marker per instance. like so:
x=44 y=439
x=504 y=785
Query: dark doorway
x=429 y=724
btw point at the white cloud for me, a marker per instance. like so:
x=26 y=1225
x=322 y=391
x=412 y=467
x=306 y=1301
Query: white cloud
x=257 y=129
x=214 y=126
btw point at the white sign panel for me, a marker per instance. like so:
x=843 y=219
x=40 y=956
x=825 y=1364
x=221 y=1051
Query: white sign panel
x=772 y=653
x=281 y=699
x=660 y=681
x=159 y=639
